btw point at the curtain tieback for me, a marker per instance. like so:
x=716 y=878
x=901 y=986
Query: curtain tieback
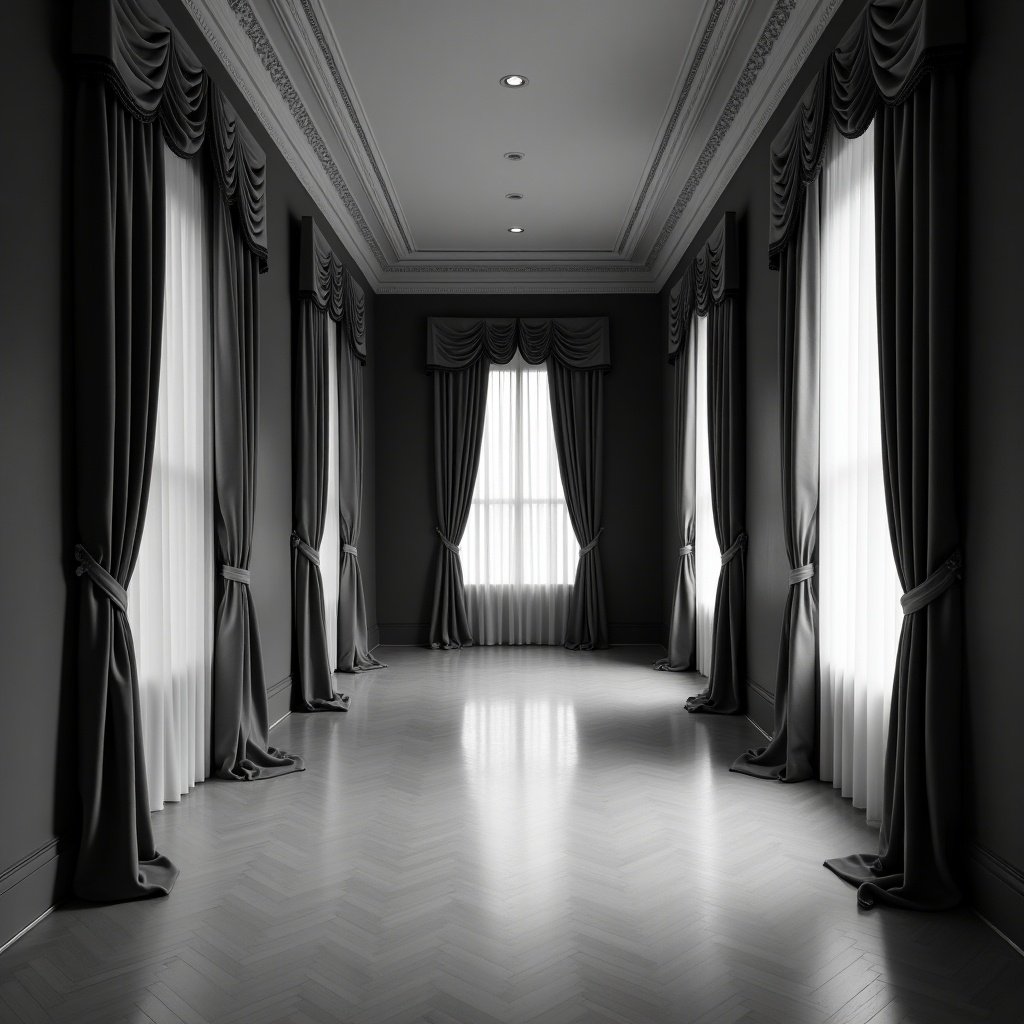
x=88 y=566
x=311 y=553
x=738 y=545
x=686 y=549
x=803 y=572
x=236 y=575
x=938 y=583
x=453 y=548
x=350 y=549
x=587 y=548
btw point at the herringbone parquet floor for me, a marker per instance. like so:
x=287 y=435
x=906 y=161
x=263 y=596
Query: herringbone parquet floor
x=516 y=835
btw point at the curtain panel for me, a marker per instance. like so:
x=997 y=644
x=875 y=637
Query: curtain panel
x=710 y=286
x=573 y=347
x=708 y=279
x=898 y=66
x=327 y=292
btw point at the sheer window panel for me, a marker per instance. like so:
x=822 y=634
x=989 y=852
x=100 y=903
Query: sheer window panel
x=859 y=591
x=330 y=543
x=707 y=555
x=519 y=552
x=171 y=596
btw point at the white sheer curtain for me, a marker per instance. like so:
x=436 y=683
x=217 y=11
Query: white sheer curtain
x=170 y=599
x=707 y=555
x=519 y=551
x=859 y=591
x=330 y=545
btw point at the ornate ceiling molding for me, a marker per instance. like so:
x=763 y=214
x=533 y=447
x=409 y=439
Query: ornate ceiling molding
x=243 y=45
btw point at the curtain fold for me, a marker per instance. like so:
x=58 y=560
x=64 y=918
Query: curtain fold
x=313 y=663
x=727 y=444
x=118 y=239
x=353 y=653
x=240 y=725
x=460 y=399
x=577 y=412
x=682 y=633
x=791 y=754
x=918 y=863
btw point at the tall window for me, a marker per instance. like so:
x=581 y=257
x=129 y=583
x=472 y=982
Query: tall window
x=859 y=591
x=330 y=544
x=707 y=556
x=519 y=551
x=170 y=598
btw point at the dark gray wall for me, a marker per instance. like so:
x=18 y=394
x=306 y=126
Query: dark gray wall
x=630 y=546
x=38 y=796
x=992 y=421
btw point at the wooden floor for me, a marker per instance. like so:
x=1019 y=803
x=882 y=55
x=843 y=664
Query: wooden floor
x=510 y=835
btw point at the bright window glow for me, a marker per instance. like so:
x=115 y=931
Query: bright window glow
x=170 y=596
x=706 y=554
x=859 y=591
x=330 y=545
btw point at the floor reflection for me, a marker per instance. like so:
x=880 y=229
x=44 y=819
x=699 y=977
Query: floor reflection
x=520 y=760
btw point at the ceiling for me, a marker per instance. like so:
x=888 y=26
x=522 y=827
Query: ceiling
x=635 y=116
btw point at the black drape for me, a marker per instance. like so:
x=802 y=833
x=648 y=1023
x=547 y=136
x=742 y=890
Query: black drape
x=576 y=345
x=577 y=414
x=118 y=309
x=791 y=754
x=897 y=65
x=682 y=630
x=312 y=665
x=460 y=398
x=240 y=747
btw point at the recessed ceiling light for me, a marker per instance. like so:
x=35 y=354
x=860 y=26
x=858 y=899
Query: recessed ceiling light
x=514 y=81
x=513 y=195
x=517 y=231
x=514 y=155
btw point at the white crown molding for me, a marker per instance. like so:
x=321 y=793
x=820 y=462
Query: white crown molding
x=243 y=46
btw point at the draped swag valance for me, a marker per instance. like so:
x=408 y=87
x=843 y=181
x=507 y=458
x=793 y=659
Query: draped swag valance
x=157 y=77
x=885 y=54
x=323 y=277
x=707 y=279
x=578 y=343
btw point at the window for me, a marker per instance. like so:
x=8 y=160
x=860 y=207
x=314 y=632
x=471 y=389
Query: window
x=170 y=597
x=519 y=552
x=330 y=544
x=707 y=556
x=859 y=590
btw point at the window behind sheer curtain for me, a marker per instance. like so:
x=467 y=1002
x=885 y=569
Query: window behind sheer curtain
x=707 y=556
x=519 y=552
x=170 y=598
x=330 y=544
x=859 y=591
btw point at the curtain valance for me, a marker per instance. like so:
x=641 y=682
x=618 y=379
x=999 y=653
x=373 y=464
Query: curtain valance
x=578 y=343
x=885 y=54
x=323 y=277
x=156 y=76
x=706 y=280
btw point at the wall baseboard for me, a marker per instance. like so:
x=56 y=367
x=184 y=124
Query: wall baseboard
x=373 y=638
x=279 y=700
x=403 y=634
x=31 y=888
x=997 y=893
x=760 y=707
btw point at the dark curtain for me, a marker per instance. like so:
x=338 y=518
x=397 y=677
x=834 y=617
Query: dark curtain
x=727 y=450
x=576 y=346
x=460 y=398
x=682 y=630
x=577 y=413
x=312 y=673
x=897 y=65
x=918 y=863
x=353 y=651
x=240 y=747
x=791 y=756
x=118 y=315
